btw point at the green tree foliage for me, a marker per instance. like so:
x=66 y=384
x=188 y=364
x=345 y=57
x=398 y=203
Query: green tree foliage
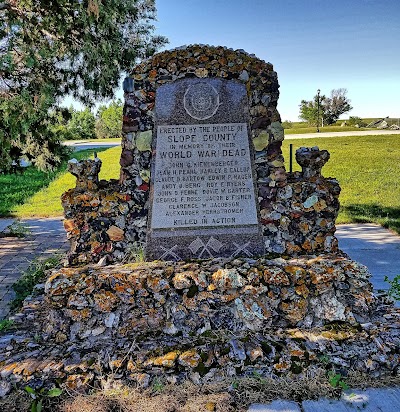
x=336 y=105
x=82 y=125
x=51 y=49
x=25 y=130
x=356 y=121
x=330 y=108
x=309 y=110
x=60 y=118
x=109 y=120
x=70 y=124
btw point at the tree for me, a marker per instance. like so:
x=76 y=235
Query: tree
x=82 y=125
x=330 y=108
x=287 y=124
x=109 y=120
x=70 y=124
x=26 y=130
x=309 y=110
x=60 y=118
x=356 y=121
x=51 y=49
x=336 y=105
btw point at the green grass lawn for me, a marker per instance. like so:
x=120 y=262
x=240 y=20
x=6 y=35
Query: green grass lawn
x=367 y=167
x=46 y=202
x=368 y=170
x=304 y=127
x=17 y=191
x=313 y=129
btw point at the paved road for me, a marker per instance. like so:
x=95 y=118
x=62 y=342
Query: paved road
x=82 y=144
x=338 y=134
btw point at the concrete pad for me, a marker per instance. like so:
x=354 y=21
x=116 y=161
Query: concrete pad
x=373 y=246
x=275 y=406
x=326 y=405
x=369 y=400
x=378 y=399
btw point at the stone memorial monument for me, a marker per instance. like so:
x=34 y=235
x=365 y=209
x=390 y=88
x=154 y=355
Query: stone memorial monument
x=242 y=274
x=202 y=171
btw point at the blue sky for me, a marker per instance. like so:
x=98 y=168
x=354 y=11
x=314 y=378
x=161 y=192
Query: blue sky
x=313 y=44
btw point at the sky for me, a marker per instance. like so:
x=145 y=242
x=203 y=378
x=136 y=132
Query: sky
x=313 y=44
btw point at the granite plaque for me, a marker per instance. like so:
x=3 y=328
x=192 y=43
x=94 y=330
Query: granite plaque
x=202 y=202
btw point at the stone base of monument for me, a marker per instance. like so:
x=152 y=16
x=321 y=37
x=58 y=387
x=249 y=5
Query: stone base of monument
x=203 y=321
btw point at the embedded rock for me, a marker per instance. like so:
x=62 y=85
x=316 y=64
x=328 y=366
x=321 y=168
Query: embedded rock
x=311 y=160
x=147 y=330
x=183 y=299
x=86 y=173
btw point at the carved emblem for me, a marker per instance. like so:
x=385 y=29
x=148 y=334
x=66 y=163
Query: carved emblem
x=241 y=249
x=170 y=252
x=198 y=245
x=201 y=101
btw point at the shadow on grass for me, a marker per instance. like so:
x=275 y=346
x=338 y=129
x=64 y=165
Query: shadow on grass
x=16 y=189
x=385 y=216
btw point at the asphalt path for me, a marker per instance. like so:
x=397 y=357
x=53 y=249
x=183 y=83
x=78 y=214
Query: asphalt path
x=82 y=145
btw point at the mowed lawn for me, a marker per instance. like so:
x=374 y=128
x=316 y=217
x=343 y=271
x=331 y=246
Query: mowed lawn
x=368 y=170
x=325 y=129
x=16 y=189
x=367 y=167
x=46 y=202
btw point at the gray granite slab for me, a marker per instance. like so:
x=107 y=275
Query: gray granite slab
x=203 y=199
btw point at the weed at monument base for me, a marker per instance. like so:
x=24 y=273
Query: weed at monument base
x=35 y=274
x=5 y=325
x=134 y=254
x=336 y=380
x=394 y=290
x=16 y=229
x=39 y=395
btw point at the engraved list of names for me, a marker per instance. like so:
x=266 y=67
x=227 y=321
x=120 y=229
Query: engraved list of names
x=203 y=177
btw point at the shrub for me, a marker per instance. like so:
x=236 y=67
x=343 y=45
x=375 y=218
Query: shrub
x=355 y=121
x=287 y=124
